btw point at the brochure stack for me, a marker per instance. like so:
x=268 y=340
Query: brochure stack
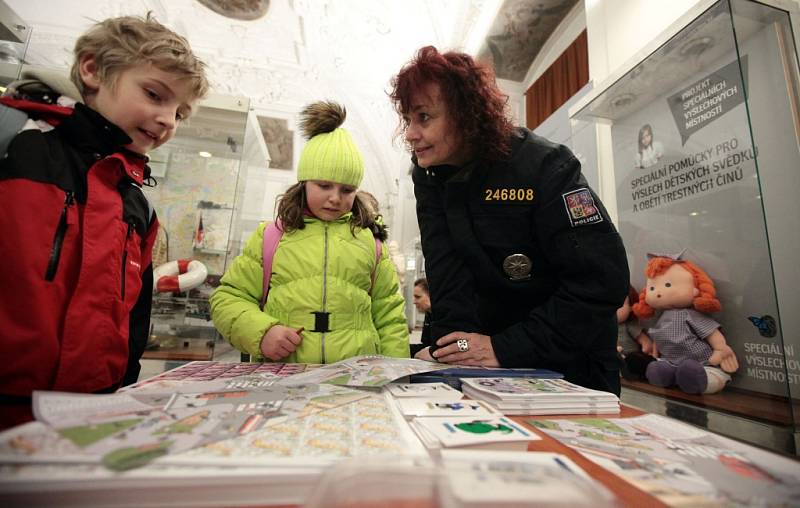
x=515 y=396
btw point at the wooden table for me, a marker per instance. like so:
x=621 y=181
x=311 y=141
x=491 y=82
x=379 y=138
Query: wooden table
x=626 y=493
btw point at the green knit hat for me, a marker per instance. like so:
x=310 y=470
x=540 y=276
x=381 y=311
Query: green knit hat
x=330 y=153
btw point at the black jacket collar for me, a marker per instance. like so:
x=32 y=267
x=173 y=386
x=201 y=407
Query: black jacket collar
x=89 y=131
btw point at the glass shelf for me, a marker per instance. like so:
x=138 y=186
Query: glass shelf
x=201 y=181
x=213 y=252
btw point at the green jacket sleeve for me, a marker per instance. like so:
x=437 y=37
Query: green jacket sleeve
x=235 y=303
x=388 y=309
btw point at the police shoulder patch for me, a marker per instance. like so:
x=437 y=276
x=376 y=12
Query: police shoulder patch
x=581 y=208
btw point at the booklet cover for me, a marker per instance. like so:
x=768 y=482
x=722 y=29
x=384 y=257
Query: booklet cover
x=552 y=405
x=511 y=479
x=363 y=371
x=205 y=371
x=478 y=371
x=535 y=411
x=369 y=427
x=466 y=431
x=680 y=464
x=424 y=390
x=453 y=375
x=412 y=406
x=533 y=389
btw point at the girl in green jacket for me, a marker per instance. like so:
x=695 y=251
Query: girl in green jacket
x=323 y=304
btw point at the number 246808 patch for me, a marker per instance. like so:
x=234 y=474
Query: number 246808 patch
x=581 y=208
x=508 y=194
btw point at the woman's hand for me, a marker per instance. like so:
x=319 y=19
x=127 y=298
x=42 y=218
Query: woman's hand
x=280 y=341
x=466 y=349
x=425 y=354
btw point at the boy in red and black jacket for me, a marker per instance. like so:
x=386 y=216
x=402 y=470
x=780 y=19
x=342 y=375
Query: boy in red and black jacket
x=77 y=231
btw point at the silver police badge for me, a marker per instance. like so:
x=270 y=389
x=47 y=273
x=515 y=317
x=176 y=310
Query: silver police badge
x=517 y=266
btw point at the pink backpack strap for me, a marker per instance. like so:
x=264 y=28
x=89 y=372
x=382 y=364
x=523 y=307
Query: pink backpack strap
x=272 y=237
x=378 y=250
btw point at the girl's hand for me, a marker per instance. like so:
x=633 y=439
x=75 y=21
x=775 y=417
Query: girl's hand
x=479 y=350
x=725 y=358
x=280 y=341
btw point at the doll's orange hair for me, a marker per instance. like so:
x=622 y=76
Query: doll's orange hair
x=706 y=301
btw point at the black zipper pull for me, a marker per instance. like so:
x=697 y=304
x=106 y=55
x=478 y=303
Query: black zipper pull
x=58 y=238
x=125 y=261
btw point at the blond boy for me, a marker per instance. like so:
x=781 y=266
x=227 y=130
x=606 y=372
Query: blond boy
x=77 y=231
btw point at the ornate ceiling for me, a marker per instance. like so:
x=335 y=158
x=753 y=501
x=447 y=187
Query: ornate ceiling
x=282 y=54
x=238 y=9
x=519 y=31
x=301 y=50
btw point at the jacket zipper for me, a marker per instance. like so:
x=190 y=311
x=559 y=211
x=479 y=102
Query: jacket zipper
x=58 y=239
x=324 y=285
x=125 y=259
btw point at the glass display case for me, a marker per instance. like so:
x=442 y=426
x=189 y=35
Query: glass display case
x=15 y=35
x=201 y=175
x=705 y=133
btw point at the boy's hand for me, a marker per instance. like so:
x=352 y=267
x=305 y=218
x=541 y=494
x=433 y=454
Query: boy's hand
x=280 y=341
x=725 y=358
x=648 y=345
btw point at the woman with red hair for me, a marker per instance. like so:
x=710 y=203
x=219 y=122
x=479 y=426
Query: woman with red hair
x=524 y=266
x=692 y=353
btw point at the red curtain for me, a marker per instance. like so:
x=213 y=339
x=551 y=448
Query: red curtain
x=568 y=74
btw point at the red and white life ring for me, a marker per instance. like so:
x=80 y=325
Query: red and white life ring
x=179 y=276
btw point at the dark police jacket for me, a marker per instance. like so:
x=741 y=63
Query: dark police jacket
x=425 y=339
x=554 y=306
